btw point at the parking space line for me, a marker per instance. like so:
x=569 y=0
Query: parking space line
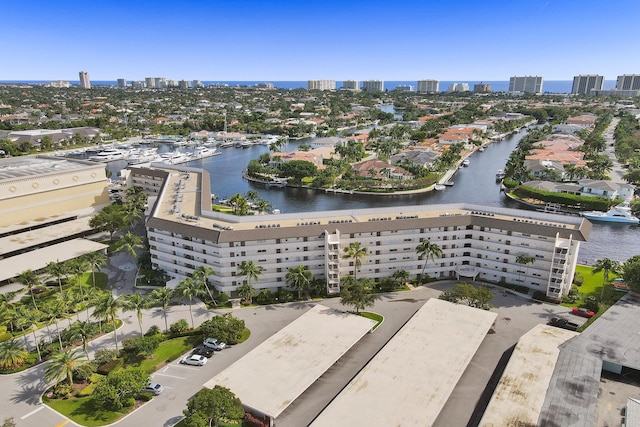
x=63 y=423
x=170 y=376
x=31 y=413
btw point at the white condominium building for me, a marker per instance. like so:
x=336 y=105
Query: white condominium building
x=476 y=241
x=321 y=85
x=628 y=82
x=584 y=84
x=122 y=83
x=428 y=86
x=351 y=85
x=526 y=84
x=373 y=85
x=150 y=82
x=84 y=80
x=458 y=87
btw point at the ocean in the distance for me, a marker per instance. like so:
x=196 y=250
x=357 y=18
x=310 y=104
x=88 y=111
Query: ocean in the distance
x=549 y=86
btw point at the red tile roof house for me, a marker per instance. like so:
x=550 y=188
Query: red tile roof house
x=382 y=170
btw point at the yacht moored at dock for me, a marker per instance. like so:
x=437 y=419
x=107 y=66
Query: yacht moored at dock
x=620 y=214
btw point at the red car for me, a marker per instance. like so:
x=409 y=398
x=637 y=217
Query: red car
x=582 y=312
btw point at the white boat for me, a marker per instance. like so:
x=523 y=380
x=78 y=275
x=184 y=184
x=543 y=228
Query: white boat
x=481 y=149
x=203 y=152
x=620 y=213
x=138 y=156
x=174 y=157
x=108 y=155
x=439 y=187
x=466 y=162
x=499 y=174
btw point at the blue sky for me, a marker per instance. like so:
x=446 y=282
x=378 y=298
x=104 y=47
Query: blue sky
x=299 y=40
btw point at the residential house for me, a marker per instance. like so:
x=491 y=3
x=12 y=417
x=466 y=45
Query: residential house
x=378 y=169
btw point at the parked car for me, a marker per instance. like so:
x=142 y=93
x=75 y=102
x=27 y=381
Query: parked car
x=203 y=351
x=213 y=344
x=194 y=359
x=563 y=323
x=581 y=311
x=154 y=388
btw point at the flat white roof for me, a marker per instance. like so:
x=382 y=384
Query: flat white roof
x=271 y=376
x=35 y=260
x=409 y=381
x=42 y=235
x=521 y=391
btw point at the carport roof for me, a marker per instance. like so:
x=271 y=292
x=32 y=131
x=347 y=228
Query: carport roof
x=271 y=376
x=409 y=381
x=525 y=380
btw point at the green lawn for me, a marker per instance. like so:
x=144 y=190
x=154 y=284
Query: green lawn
x=84 y=411
x=373 y=316
x=222 y=209
x=592 y=287
x=167 y=351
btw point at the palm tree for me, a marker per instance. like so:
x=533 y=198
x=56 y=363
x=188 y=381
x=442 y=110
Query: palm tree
x=299 y=278
x=607 y=266
x=96 y=261
x=77 y=268
x=135 y=302
x=30 y=279
x=201 y=275
x=357 y=253
x=62 y=364
x=82 y=331
x=50 y=312
x=356 y=293
x=129 y=243
x=401 y=276
x=107 y=309
x=189 y=288
x=524 y=259
x=428 y=250
x=250 y=271
x=163 y=297
x=63 y=303
x=12 y=354
x=58 y=270
x=27 y=319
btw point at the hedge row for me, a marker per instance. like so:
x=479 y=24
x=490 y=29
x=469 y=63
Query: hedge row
x=569 y=200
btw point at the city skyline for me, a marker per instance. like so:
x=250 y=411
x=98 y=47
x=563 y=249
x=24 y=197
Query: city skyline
x=253 y=40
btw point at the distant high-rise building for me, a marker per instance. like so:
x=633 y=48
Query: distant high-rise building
x=197 y=83
x=184 y=84
x=161 y=82
x=138 y=84
x=404 y=88
x=373 y=86
x=122 y=83
x=428 y=86
x=350 y=85
x=265 y=86
x=150 y=82
x=526 y=84
x=628 y=82
x=321 y=85
x=458 y=87
x=482 y=88
x=583 y=84
x=84 y=80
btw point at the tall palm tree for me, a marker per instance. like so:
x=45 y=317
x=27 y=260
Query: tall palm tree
x=77 y=268
x=201 y=275
x=401 y=276
x=357 y=253
x=30 y=279
x=525 y=260
x=189 y=288
x=129 y=242
x=135 y=302
x=299 y=278
x=428 y=250
x=12 y=354
x=162 y=297
x=50 y=313
x=27 y=319
x=57 y=270
x=96 y=260
x=607 y=266
x=64 y=305
x=250 y=271
x=107 y=309
x=82 y=331
x=62 y=364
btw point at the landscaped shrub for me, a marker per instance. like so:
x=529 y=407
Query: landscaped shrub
x=253 y=421
x=129 y=402
x=61 y=390
x=570 y=200
x=225 y=328
x=109 y=366
x=578 y=280
x=153 y=330
x=265 y=297
x=140 y=345
x=179 y=327
x=84 y=371
x=222 y=298
x=105 y=355
x=145 y=396
x=541 y=296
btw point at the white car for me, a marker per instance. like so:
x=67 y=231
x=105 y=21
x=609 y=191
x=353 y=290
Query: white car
x=194 y=359
x=213 y=344
x=153 y=388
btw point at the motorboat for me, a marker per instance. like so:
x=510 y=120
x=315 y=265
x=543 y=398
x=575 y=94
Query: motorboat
x=499 y=174
x=620 y=214
x=108 y=155
x=439 y=187
x=174 y=157
x=466 y=162
x=202 y=152
x=138 y=156
x=481 y=149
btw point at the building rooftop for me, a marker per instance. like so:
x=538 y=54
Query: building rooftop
x=270 y=377
x=520 y=393
x=410 y=379
x=28 y=166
